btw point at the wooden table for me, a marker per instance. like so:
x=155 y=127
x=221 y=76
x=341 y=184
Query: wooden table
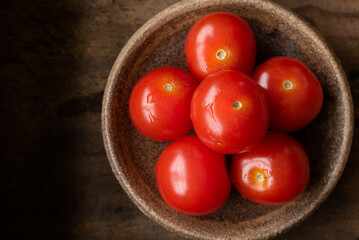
x=56 y=182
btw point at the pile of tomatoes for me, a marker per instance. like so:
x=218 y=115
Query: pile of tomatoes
x=230 y=107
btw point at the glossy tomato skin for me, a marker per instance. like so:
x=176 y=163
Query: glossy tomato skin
x=160 y=103
x=294 y=106
x=220 y=31
x=192 y=178
x=217 y=122
x=274 y=173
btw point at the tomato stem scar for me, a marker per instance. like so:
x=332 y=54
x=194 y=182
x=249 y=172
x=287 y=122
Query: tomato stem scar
x=288 y=85
x=237 y=105
x=260 y=177
x=167 y=87
x=221 y=54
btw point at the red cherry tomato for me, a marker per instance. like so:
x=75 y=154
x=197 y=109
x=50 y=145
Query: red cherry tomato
x=220 y=41
x=294 y=93
x=229 y=112
x=160 y=103
x=275 y=172
x=192 y=178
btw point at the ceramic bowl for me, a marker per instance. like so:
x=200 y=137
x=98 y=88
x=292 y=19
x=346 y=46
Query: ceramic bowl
x=279 y=32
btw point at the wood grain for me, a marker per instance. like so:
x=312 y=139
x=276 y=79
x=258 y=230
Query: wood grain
x=55 y=57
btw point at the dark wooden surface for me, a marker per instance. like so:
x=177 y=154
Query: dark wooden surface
x=56 y=183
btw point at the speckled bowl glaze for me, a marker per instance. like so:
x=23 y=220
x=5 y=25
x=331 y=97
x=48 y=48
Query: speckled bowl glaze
x=278 y=31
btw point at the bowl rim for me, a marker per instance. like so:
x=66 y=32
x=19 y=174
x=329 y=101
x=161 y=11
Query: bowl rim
x=171 y=13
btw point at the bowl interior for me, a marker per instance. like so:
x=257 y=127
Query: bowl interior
x=160 y=42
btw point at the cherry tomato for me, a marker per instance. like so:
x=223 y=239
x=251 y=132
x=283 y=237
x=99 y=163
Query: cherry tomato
x=294 y=93
x=192 y=178
x=220 y=41
x=229 y=112
x=160 y=103
x=275 y=172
